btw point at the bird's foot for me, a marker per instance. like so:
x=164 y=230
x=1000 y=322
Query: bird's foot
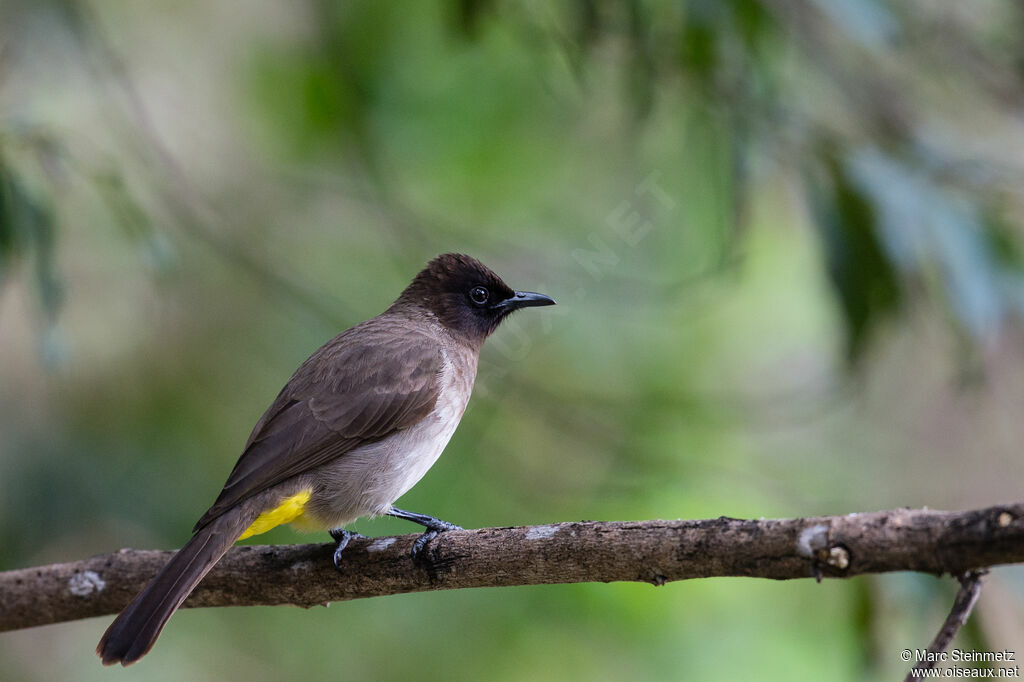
x=433 y=526
x=342 y=537
x=430 y=534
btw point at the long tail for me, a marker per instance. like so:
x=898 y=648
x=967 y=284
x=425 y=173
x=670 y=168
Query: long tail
x=134 y=631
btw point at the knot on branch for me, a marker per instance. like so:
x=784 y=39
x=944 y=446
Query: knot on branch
x=815 y=543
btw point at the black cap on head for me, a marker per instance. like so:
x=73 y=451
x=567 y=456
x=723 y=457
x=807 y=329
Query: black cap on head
x=467 y=296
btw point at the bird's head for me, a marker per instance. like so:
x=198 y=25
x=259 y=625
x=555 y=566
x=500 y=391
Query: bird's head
x=467 y=296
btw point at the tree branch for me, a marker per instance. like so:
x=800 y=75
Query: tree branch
x=647 y=551
x=966 y=598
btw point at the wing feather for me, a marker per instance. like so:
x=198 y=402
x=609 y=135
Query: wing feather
x=363 y=385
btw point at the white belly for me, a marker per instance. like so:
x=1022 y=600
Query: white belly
x=369 y=479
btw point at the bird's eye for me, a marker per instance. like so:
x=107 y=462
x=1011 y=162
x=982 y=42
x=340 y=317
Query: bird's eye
x=479 y=295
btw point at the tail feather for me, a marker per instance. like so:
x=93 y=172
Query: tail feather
x=135 y=630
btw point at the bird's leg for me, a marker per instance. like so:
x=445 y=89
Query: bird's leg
x=342 y=537
x=433 y=526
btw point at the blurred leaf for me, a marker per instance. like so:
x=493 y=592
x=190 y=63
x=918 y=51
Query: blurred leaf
x=11 y=242
x=588 y=22
x=468 y=15
x=641 y=77
x=302 y=99
x=129 y=215
x=753 y=23
x=869 y=22
x=27 y=226
x=1008 y=255
x=42 y=228
x=927 y=229
x=1006 y=250
x=320 y=95
x=698 y=42
x=863 y=278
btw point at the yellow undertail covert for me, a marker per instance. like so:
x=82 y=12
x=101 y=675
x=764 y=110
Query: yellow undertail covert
x=289 y=510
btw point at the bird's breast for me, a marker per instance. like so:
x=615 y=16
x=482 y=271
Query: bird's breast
x=368 y=479
x=423 y=443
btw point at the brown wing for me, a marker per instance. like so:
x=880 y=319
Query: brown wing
x=366 y=383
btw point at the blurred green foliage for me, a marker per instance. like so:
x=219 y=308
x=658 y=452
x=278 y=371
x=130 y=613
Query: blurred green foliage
x=780 y=233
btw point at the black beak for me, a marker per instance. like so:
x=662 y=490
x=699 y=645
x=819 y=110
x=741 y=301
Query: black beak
x=524 y=299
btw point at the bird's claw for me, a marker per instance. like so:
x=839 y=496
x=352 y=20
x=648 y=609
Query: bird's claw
x=342 y=537
x=432 y=532
x=432 y=524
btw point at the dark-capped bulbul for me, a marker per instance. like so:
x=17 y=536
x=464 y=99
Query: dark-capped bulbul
x=357 y=425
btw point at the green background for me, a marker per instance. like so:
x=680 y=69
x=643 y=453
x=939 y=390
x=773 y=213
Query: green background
x=784 y=238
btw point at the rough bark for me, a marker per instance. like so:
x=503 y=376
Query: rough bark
x=648 y=551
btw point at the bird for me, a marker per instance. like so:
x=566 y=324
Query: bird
x=354 y=428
